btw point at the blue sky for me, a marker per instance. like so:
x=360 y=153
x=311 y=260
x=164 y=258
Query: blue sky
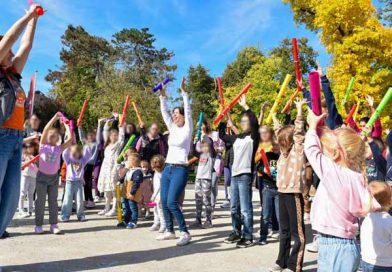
x=210 y=32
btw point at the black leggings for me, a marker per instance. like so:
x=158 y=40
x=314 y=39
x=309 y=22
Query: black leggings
x=88 y=183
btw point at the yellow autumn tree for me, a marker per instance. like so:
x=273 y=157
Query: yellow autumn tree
x=360 y=46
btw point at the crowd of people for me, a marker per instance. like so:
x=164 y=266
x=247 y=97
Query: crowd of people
x=336 y=174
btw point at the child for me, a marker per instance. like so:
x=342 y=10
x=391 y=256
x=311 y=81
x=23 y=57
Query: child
x=290 y=183
x=76 y=160
x=146 y=187
x=133 y=193
x=203 y=182
x=157 y=165
x=376 y=231
x=48 y=177
x=114 y=140
x=338 y=159
x=376 y=164
x=28 y=180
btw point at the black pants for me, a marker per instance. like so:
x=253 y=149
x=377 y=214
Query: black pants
x=291 y=212
x=88 y=185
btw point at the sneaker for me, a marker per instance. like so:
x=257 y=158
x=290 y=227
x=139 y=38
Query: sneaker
x=312 y=247
x=162 y=229
x=167 y=235
x=131 y=225
x=90 y=204
x=262 y=242
x=64 y=219
x=5 y=235
x=154 y=228
x=276 y=268
x=82 y=218
x=233 y=238
x=38 y=230
x=122 y=225
x=184 y=239
x=148 y=215
x=225 y=204
x=196 y=224
x=275 y=235
x=102 y=212
x=244 y=243
x=207 y=225
x=203 y=215
x=111 y=213
x=54 y=228
x=97 y=199
x=22 y=215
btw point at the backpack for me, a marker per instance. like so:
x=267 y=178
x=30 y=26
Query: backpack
x=7 y=95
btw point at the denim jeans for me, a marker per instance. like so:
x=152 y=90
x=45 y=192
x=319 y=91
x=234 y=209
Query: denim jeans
x=214 y=189
x=367 y=267
x=131 y=211
x=270 y=210
x=10 y=161
x=227 y=176
x=173 y=182
x=241 y=205
x=73 y=190
x=337 y=254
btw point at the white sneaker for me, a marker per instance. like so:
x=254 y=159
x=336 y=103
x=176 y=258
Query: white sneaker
x=225 y=204
x=102 y=212
x=22 y=215
x=154 y=228
x=97 y=199
x=167 y=235
x=313 y=247
x=162 y=229
x=111 y=213
x=55 y=229
x=275 y=235
x=90 y=204
x=184 y=239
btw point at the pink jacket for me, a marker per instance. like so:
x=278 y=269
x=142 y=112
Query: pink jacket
x=377 y=128
x=341 y=196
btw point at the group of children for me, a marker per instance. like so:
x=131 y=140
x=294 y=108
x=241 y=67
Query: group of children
x=349 y=168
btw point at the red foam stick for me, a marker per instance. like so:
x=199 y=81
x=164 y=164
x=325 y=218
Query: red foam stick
x=28 y=163
x=315 y=93
x=298 y=75
x=38 y=10
x=79 y=122
x=220 y=89
x=265 y=162
x=223 y=113
x=125 y=108
x=351 y=113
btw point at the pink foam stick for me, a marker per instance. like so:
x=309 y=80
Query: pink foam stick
x=152 y=204
x=315 y=93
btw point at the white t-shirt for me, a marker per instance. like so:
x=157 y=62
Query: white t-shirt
x=376 y=239
x=243 y=151
x=156 y=181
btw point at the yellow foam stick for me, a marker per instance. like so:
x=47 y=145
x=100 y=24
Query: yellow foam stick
x=356 y=110
x=278 y=99
x=119 y=206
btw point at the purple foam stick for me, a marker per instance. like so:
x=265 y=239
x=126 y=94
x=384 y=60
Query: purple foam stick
x=159 y=86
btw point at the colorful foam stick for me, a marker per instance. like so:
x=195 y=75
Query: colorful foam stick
x=265 y=162
x=79 y=122
x=298 y=75
x=159 y=86
x=315 y=92
x=28 y=163
x=223 y=113
x=279 y=98
x=351 y=113
x=348 y=91
x=124 y=111
x=221 y=97
x=118 y=204
x=356 y=110
x=39 y=10
x=126 y=147
x=387 y=97
x=290 y=101
x=199 y=124
x=151 y=204
x=139 y=117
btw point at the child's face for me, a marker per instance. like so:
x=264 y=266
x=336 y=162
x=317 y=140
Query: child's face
x=75 y=153
x=30 y=150
x=90 y=137
x=113 y=136
x=53 y=137
x=131 y=162
x=145 y=168
x=265 y=135
x=205 y=148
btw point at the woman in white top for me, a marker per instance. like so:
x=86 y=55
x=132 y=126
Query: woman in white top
x=175 y=174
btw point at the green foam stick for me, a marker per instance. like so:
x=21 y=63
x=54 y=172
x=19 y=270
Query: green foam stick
x=126 y=147
x=348 y=91
x=387 y=97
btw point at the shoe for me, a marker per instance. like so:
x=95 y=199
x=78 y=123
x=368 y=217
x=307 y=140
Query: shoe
x=154 y=228
x=54 y=228
x=148 y=215
x=90 y=204
x=196 y=224
x=38 y=230
x=276 y=268
x=184 y=239
x=64 y=219
x=207 y=225
x=111 y=213
x=167 y=235
x=244 y=243
x=5 y=235
x=233 y=238
x=162 y=229
x=225 y=204
x=275 y=235
x=102 y=212
x=23 y=215
x=312 y=247
x=203 y=215
x=82 y=218
x=122 y=225
x=262 y=242
x=97 y=199
x=131 y=225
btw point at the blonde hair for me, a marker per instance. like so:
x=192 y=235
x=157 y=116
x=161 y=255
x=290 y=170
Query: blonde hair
x=285 y=139
x=158 y=163
x=382 y=192
x=135 y=158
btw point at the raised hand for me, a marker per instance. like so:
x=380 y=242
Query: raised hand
x=319 y=69
x=242 y=102
x=183 y=84
x=313 y=120
x=370 y=101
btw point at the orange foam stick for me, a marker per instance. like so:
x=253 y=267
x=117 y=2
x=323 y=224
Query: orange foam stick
x=265 y=162
x=290 y=101
x=220 y=89
x=139 y=117
x=223 y=113
x=351 y=113
x=79 y=122
x=124 y=112
x=28 y=163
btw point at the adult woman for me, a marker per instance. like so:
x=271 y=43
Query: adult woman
x=12 y=101
x=175 y=174
x=244 y=149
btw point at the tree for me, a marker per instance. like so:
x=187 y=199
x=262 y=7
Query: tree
x=359 y=43
x=385 y=12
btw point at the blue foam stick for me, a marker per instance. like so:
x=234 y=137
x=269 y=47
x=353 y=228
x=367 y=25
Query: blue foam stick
x=159 y=86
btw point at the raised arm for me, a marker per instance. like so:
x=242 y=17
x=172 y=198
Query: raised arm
x=187 y=105
x=262 y=113
x=70 y=137
x=231 y=126
x=165 y=108
x=81 y=135
x=299 y=127
x=49 y=125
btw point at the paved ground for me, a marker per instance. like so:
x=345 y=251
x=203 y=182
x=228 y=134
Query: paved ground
x=97 y=245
